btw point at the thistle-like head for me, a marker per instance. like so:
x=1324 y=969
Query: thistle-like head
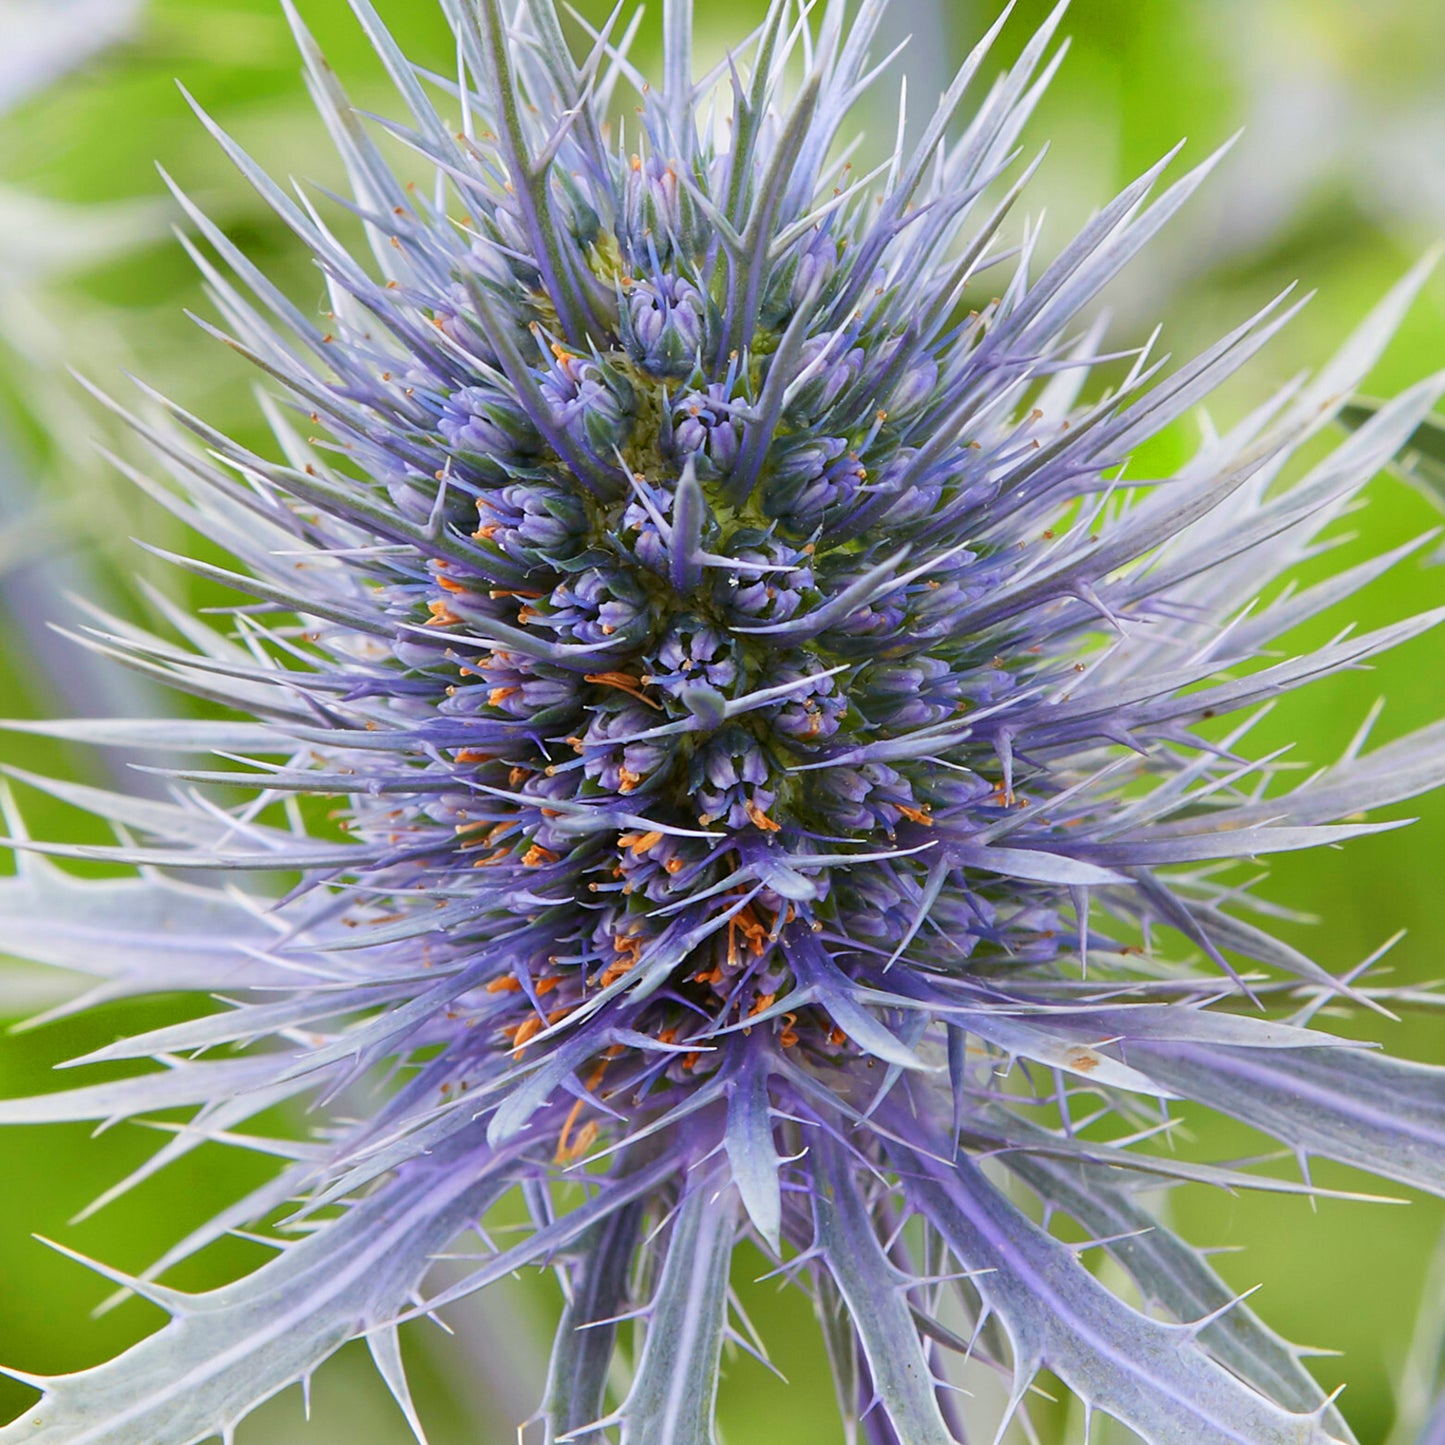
x=763 y=713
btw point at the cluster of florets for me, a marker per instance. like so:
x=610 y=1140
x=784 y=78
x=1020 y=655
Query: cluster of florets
x=764 y=712
x=672 y=618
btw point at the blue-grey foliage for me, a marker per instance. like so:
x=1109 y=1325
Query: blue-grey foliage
x=782 y=771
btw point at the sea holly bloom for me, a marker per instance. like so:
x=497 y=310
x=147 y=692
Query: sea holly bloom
x=786 y=785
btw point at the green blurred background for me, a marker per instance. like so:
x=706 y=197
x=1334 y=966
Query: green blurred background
x=1338 y=181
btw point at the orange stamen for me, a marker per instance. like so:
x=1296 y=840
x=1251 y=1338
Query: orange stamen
x=563 y=1153
x=624 y=682
x=527 y=1029
x=586 y=1138
x=760 y=819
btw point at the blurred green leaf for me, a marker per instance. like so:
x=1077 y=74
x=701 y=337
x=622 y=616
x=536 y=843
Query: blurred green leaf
x=1421 y=461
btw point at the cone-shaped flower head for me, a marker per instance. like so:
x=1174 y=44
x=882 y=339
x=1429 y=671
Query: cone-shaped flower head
x=761 y=709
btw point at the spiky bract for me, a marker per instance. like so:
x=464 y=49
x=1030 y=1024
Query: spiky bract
x=762 y=709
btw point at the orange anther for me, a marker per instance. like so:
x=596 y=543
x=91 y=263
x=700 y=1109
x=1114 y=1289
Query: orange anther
x=760 y=819
x=586 y=1138
x=527 y=1029
x=625 y=682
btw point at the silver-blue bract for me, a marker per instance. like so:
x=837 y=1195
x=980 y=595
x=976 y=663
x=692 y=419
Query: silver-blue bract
x=763 y=711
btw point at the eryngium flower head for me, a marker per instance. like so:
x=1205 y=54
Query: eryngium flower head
x=763 y=710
